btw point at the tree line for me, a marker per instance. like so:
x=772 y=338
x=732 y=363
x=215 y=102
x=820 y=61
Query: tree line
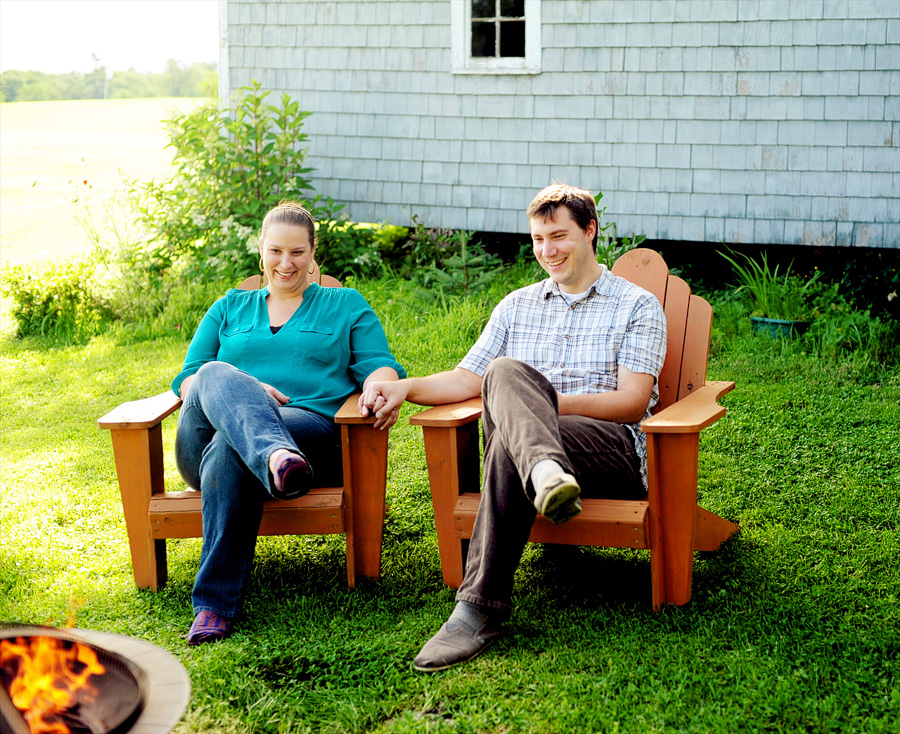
x=177 y=80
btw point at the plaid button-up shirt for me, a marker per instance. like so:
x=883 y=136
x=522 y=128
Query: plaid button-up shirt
x=579 y=347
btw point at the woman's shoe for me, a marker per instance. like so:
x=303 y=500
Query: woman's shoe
x=208 y=627
x=292 y=478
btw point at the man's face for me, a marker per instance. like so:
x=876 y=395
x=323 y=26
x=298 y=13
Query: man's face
x=564 y=250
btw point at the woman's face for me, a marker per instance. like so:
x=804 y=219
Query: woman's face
x=286 y=255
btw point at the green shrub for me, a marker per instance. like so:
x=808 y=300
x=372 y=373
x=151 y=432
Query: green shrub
x=233 y=165
x=774 y=295
x=466 y=269
x=361 y=249
x=842 y=333
x=869 y=278
x=609 y=247
x=426 y=247
x=839 y=334
x=62 y=303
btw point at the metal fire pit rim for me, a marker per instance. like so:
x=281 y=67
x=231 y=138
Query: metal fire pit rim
x=168 y=685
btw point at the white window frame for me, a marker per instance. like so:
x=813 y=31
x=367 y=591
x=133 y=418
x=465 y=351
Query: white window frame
x=461 y=54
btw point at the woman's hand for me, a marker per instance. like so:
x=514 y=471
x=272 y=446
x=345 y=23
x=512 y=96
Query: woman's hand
x=382 y=398
x=279 y=396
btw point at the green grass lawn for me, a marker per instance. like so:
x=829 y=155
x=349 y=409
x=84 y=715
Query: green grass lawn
x=794 y=626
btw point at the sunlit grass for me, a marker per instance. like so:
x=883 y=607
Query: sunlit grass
x=794 y=625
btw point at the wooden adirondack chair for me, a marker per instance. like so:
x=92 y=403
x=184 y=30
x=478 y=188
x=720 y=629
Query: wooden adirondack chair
x=668 y=522
x=151 y=514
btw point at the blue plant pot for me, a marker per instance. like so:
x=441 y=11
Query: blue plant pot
x=778 y=328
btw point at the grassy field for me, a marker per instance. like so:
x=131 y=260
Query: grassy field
x=794 y=625
x=47 y=151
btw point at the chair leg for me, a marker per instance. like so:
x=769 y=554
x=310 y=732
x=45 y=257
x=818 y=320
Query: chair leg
x=673 y=512
x=365 y=474
x=453 y=467
x=139 y=467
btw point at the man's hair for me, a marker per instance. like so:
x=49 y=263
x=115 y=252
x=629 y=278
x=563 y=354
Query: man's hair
x=579 y=202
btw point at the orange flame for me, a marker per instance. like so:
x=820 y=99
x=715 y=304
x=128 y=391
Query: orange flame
x=50 y=677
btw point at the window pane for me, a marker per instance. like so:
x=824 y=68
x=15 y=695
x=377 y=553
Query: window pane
x=484 y=9
x=483 y=37
x=512 y=8
x=512 y=38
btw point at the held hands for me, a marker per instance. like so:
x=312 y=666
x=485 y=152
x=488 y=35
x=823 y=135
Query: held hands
x=383 y=400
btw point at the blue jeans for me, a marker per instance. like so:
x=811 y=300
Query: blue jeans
x=227 y=429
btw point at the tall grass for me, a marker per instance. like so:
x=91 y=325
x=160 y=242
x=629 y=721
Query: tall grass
x=794 y=626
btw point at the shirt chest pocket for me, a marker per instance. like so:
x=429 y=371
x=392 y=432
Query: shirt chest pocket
x=317 y=342
x=597 y=347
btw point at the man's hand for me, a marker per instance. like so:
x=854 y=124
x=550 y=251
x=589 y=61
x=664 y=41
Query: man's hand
x=383 y=400
x=384 y=397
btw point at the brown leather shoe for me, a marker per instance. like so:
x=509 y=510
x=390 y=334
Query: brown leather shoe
x=453 y=644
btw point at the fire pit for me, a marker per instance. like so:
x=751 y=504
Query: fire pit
x=74 y=681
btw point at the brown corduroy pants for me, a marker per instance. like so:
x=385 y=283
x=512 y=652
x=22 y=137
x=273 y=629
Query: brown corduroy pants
x=522 y=426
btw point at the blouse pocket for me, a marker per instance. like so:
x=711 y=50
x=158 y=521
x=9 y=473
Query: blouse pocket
x=236 y=330
x=317 y=342
x=234 y=343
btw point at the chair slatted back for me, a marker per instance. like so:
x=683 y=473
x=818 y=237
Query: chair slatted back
x=688 y=323
x=254 y=282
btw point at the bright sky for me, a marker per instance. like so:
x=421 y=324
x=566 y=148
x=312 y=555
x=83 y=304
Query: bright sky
x=59 y=36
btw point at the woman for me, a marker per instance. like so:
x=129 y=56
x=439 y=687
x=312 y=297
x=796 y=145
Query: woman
x=263 y=377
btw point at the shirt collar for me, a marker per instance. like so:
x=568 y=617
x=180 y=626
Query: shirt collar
x=601 y=286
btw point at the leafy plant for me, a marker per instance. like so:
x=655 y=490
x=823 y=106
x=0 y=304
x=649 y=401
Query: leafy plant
x=358 y=248
x=774 y=295
x=842 y=334
x=233 y=165
x=61 y=303
x=428 y=246
x=468 y=270
x=609 y=247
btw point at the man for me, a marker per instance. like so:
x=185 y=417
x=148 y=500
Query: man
x=567 y=369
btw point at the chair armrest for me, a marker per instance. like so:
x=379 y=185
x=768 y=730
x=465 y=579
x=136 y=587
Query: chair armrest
x=450 y=415
x=349 y=412
x=693 y=413
x=144 y=413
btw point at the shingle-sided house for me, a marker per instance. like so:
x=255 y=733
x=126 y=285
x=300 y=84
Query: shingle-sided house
x=754 y=121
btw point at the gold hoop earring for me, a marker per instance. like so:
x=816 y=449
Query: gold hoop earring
x=261 y=268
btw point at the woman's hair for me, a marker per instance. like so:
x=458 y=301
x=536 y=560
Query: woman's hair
x=290 y=212
x=579 y=202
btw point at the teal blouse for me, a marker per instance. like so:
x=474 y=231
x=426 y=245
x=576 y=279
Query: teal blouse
x=320 y=357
